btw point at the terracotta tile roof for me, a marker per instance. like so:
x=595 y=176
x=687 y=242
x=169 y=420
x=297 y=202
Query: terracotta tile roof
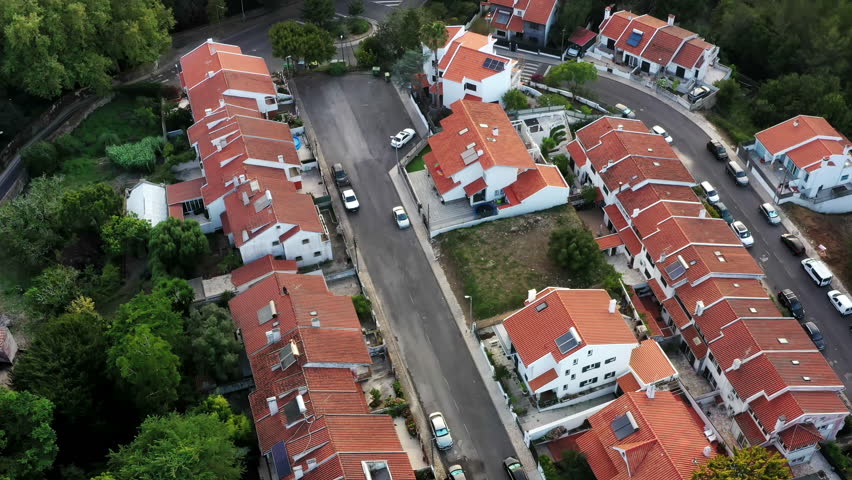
x=590 y=135
x=211 y=91
x=794 y=404
x=516 y=24
x=470 y=40
x=763 y=307
x=468 y=96
x=795 y=131
x=468 y=64
x=615 y=25
x=615 y=216
x=676 y=233
x=363 y=433
x=634 y=170
x=694 y=342
x=747 y=338
x=712 y=290
x=648 y=220
x=650 y=364
x=662 y=47
x=581 y=36
x=810 y=155
x=644 y=24
x=452 y=31
x=628 y=383
x=205 y=58
x=729 y=260
x=652 y=193
x=506 y=149
x=543 y=379
x=443 y=183
x=676 y=311
x=631 y=241
x=534 y=333
x=260 y=268
x=750 y=428
x=691 y=52
x=800 y=436
x=616 y=145
x=576 y=152
x=184 y=191
x=353 y=468
x=327 y=345
x=773 y=371
x=609 y=241
x=539 y=11
x=666 y=443
x=475 y=186
x=330 y=379
x=534 y=180
x=657 y=288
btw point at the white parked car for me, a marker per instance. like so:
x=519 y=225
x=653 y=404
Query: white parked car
x=440 y=430
x=742 y=231
x=662 y=132
x=350 y=201
x=401 y=218
x=841 y=302
x=403 y=137
x=769 y=212
x=626 y=112
x=712 y=194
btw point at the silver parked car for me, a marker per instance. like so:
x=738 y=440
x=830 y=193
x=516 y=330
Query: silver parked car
x=440 y=430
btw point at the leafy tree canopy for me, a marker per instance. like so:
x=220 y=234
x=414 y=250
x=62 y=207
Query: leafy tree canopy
x=515 y=99
x=90 y=207
x=27 y=441
x=575 y=74
x=406 y=68
x=175 y=247
x=318 y=12
x=53 y=290
x=153 y=310
x=41 y=158
x=302 y=42
x=30 y=224
x=127 y=234
x=214 y=348
x=753 y=463
x=177 y=292
x=147 y=369
x=575 y=250
x=239 y=427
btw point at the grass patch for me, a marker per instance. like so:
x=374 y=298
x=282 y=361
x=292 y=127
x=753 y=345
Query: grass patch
x=114 y=118
x=82 y=171
x=416 y=164
x=498 y=262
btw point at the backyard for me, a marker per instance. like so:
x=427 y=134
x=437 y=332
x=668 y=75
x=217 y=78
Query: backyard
x=497 y=262
x=834 y=232
x=416 y=164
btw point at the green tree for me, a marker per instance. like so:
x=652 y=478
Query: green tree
x=152 y=310
x=575 y=466
x=753 y=463
x=302 y=42
x=125 y=235
x=147 y=369
x=371 y=53
x=399 y=33
x=239 y=427
x=356 y=8
x=177 y=291
x=27 y=441
x=214 y=349
x=318 y=12
x=88 y=208
x=789 y=95
x=575 y=250
x=515 y=99
x=175 y=247
x=406 y=69
x=434 y=36
x=363 y=306
x=177 y=447
x=53 y=290
x=138 y=31
x=575 y=74
x=41 y=158
x=549 y=469
x=29 y=224
x=216 y=11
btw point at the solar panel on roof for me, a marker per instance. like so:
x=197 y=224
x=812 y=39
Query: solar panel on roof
x=281 y=459
x=634 y=39
x=493 y=64
x=623 y=426
x=291 y=410
x=503 y=17
x=566 y=342
x=675 y=270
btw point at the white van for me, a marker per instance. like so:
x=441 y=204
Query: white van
x=710 y=192
x=818 y=271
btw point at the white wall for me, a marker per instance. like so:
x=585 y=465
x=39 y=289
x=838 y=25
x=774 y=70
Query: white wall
x=295 y=247
x=455 y=91
x=215 y=210
x=260 y=98
x=545 y=198
x=573 y=365
x=261 y=245
x=570 y=422
x=498 y=178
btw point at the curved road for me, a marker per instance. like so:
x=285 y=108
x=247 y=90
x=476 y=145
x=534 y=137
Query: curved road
x=783 y=270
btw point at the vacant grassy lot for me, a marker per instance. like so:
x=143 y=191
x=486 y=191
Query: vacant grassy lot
x=497 y=262
x=416 y=164
x=832 y=231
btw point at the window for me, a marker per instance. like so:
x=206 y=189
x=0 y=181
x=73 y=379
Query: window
x=317 y=254
x=433 y=78
x=306 y=241
x=276 y=242
x=575 y=361
x=534 y=26
x=610 y=360
x=299 y=258
x=564 y=387
x=573 y=377
x=470 y=86
x=567 y=372
x=663 y=281
x=590 y=352
x=842 y=179
x=591 y=366
x=609 y=375
x=589 y=381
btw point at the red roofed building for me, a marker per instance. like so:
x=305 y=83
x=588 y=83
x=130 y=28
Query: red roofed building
x=816 y=159
x=479 y=157
x=645 y=436
x=654 y=46
x=468 y=68
x=524 y=21
x=569 y=342
x=304 y=347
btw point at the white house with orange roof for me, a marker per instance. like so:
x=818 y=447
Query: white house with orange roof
x=523 y=21
x=654 y=46
x=468 y=68
x=815 y=160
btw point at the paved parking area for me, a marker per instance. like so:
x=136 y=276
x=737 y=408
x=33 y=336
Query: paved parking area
x=353 y=117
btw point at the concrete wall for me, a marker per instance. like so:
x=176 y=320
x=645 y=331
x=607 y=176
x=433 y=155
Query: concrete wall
x=267 y=243
x=570 y=369
x=569 y=422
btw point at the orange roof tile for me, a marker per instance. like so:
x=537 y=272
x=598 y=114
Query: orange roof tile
x=691 y=52
x=644 y=24
x=749 y=337
x=590 y=135
x=650 y=364
x=615 y=216
x=750 y=428
x=539 y=11
x=631 y=241
x=771 y=372
x=475 y=186
x=634 y=170
x=628 y=383
x=712 y=290
x=795 y=131
x=794 y=404
x=652 y=193
x=176 y=211
x=648 y=220
x=184 y=191
x=532 y=181
x=205 y=58
x=676 y=311
x=676 y=233
x=576 y=152
x=260 y=268
x=615 y=25
x=609 y=241
x=443 y=183
x=543 y=379
x=799 y=436
x=468 y=64
x=694 y=342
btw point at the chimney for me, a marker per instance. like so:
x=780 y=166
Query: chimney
x=298 y=472
x=495 y=131
x=273 y=405
x=736 y=364
x=273 y=309
x=242 y=179
x=671 y=19
x=635 y=213
x=796 y=123
x=612 y=304
x=620 y=127
x=280 y=158
x=708 y=451
x=208 y=111
x=607 y=12
x=779 y=424
x=221 y=102
x=210 y=73
x=315 y=322
x=531 y=293
x=699 y=308
x=702 y=213
x=300 y=401
x=651 y=391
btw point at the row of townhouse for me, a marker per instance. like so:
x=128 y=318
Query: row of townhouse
x=306 y=351
x=773 y=381
x=251 y=186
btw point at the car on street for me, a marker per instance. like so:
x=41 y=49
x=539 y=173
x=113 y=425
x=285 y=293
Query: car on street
x=341 y=179
x=710 y=192
x=816 y=336
x=440 y=431
x=791 y=302
x=841 y=302
x=514 y=469
x=350 y=201
x=456 y=473
x=625 y=111
x=401 y=218
x=724 y=213
x=793 y=243
x=400 y=139
x=737 y=173
x=742 y=231
x=661 y=131
x=698 y=93
x=769 y=213
x=715 y=147
x=818 y=272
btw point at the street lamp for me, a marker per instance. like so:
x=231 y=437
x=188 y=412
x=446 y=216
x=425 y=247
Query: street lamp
x=341 y=47
x=470 y=306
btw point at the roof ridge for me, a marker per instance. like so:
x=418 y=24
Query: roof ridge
x=660 y=443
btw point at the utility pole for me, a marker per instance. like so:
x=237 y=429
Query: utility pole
x=243 y=10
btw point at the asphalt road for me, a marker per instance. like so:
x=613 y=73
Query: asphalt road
x=353 y=117
x=783 y=270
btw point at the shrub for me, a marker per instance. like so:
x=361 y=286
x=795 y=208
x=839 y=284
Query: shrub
x=395 y=406
x=537 y=78
x=69 y=145
x=375 y=398
x=590 y=194
x=357 y=26
x=136 y=156
x=232 y=261
x=553 y=100
x=561 y=161
x=363 y=306
x=836 y=457
x=397 y=389
x=41 y=158
x=501 y=372
x=108 y=139
x=515 y=99
x=337 y=69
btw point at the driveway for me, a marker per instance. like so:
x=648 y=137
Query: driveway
x=353 y=117
x=782 y=269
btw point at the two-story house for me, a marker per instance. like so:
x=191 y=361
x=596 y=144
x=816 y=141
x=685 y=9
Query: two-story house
x=654 y=46
x=523 y=21
x=468 y=68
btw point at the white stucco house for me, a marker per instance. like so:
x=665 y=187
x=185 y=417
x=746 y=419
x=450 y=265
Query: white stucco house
x=148 y=201
x=467 y=67
x=522 y=21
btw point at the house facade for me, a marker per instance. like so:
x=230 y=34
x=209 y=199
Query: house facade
x=523 y=21
x=773 y=382
x=467 y=67
x=816 y=161
x=654 y=46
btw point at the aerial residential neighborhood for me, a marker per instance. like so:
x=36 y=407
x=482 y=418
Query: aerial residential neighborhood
x=441 y=239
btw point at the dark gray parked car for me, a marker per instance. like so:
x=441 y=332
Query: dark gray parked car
x=341 y=179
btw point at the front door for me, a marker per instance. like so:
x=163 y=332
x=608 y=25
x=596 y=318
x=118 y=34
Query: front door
x=680 y=72
x=646 y=66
